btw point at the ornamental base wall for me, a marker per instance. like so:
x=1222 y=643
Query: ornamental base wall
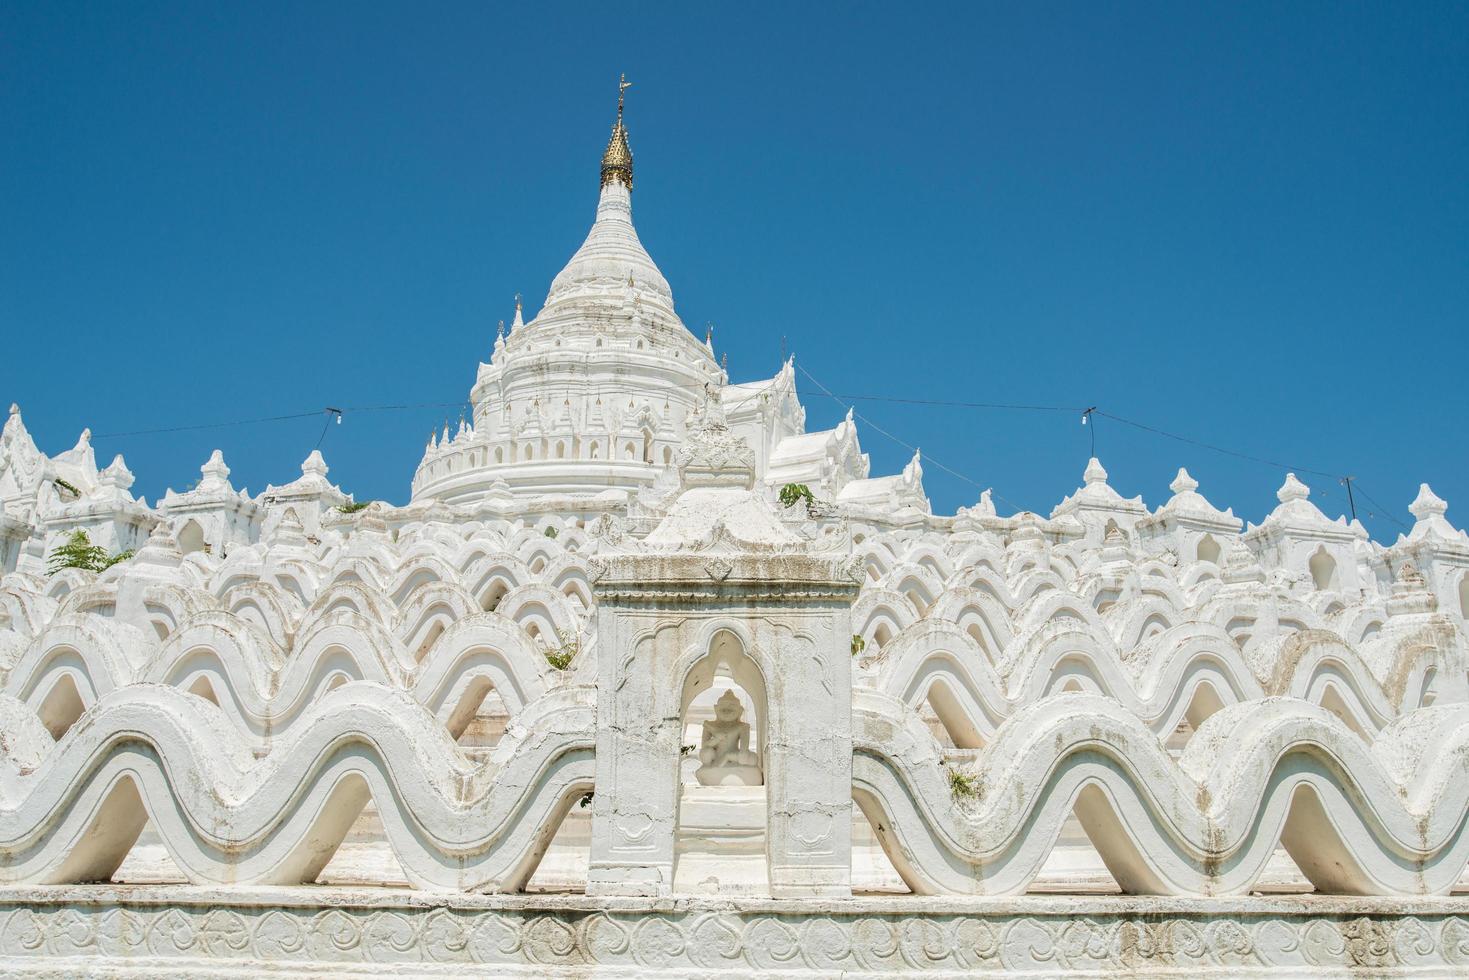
x=201 y=932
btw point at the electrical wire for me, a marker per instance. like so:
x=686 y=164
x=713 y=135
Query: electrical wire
x=844 y=399
x=873 y=425
x=1381 y=510
x=277 y=418
x=205 y=425
x=1217 y=449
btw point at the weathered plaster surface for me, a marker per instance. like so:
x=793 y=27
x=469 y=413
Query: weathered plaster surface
x=221 y=932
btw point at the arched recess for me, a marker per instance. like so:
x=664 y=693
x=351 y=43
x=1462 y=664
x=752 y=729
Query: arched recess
x=497 y=590
x=1323 y=569
x=1427 y=692
x=956 y=723
x=202 y=688
x=726 y=657
x=62 y=705
x=191 y=537
x=1203 y=702
x=699 y=855
x=1208 y=549
x=1464 y=596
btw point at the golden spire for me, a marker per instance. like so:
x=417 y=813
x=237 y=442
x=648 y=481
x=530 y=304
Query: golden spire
x=617 y=160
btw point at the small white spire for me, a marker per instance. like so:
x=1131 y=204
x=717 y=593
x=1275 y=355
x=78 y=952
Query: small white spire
x=517 y=323
x=913 y=472
x=214 y=474
x=1427 y=504
x=1292 y=489
x=1094 y=472
x=1183 y=483
x=116 y=474
x=314 y=465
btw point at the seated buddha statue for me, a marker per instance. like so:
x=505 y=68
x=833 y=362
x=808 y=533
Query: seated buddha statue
x=724 y=748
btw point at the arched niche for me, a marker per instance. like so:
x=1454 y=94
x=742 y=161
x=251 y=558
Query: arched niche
x=722 y=831
x=726 y=657
x=1323 y=569
x=191 y=537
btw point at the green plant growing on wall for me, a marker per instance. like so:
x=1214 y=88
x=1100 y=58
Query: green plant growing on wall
x=962 y=785
x=551 y=532
x=63 y=485
x=858 y=644
x=78 y=551
x=560 y=657
x=355 y=506
x=793 y=493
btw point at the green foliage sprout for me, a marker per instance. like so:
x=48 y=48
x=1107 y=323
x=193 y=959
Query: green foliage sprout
x=858 y=644
x=962 y=784
x=355 y=506
x=551 y=532
x=793 y=493
x=560 y=657
x=78 y=551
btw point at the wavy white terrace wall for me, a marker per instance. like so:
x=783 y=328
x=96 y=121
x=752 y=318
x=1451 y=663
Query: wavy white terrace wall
x=371 y=619
x=1204 y=695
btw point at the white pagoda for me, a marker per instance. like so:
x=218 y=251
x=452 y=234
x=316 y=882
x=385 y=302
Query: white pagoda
x=647 y=678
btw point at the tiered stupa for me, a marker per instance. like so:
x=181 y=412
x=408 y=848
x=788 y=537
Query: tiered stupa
x=594 y=393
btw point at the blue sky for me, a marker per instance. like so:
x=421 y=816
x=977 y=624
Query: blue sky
x=1248 y=225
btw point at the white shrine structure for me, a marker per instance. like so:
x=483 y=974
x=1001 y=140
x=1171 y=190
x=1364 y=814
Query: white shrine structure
x=598 y=698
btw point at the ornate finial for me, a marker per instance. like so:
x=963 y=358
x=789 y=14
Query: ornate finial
x=617 y=160
x=709 y=334
x=1292 y=489
x=1183 y=483
x=314 y=465
x=1428 y=504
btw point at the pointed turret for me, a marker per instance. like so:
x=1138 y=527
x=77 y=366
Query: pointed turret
x=617 y=159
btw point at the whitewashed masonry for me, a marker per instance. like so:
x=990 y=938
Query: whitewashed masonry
x=599 y=554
